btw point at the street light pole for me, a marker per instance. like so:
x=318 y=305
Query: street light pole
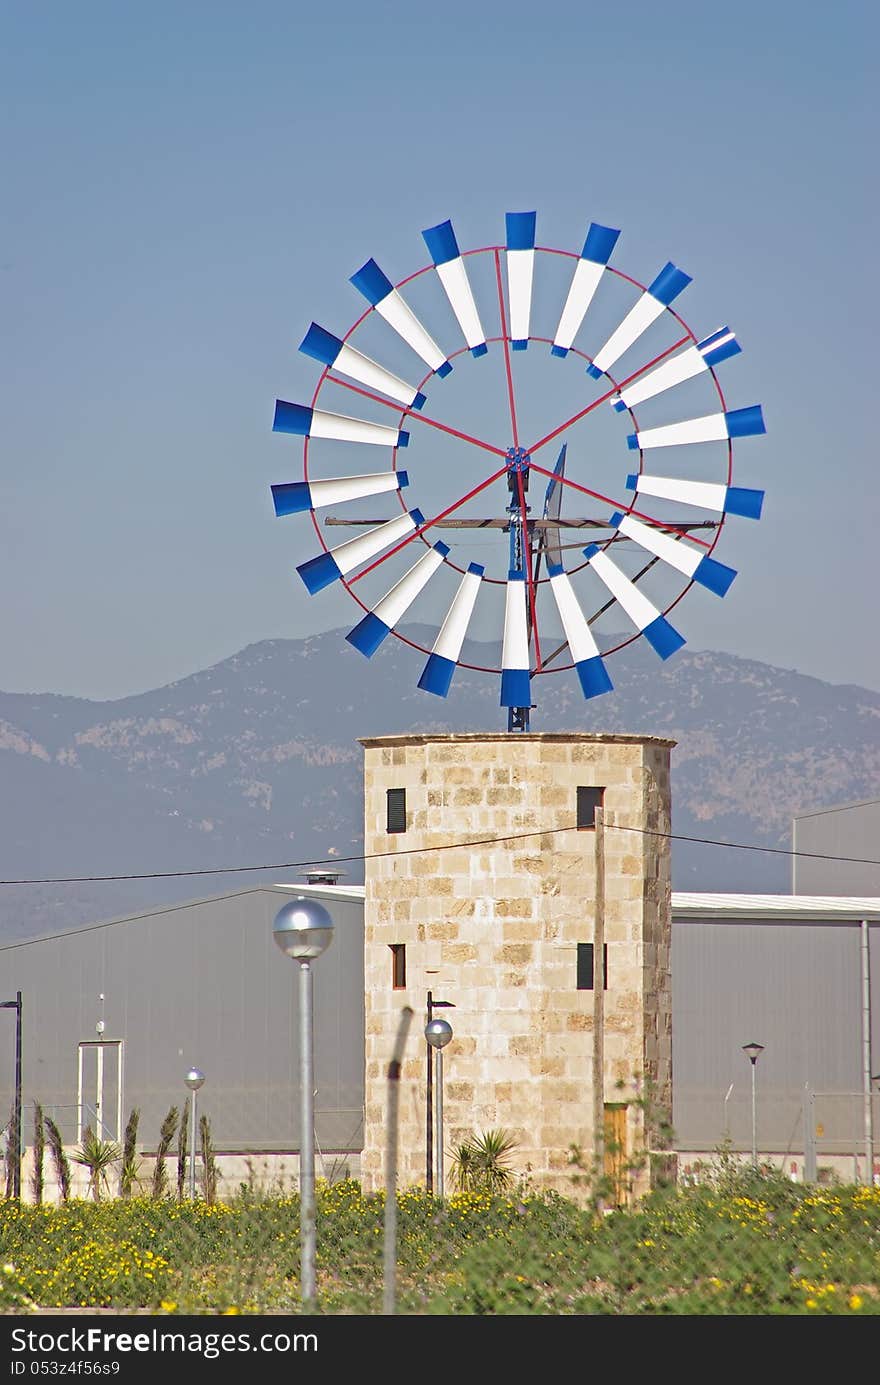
x=429 y=1090
x=16 y=1110
x=194 y=1080
x=303 y=929
x=438 y=1033
x=753 y=1052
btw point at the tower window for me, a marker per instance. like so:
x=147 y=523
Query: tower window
x=585 y=966
x=398 y=966
x=395 y=810
x=588 y=800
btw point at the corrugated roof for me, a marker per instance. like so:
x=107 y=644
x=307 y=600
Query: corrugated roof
x=799 y=906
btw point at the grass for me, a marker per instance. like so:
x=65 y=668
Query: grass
x=745 y=1244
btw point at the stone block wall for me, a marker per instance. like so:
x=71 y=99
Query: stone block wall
x=491 y=888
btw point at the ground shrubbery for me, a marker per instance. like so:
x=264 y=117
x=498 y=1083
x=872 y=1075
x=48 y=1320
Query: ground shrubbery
x=744 y=1244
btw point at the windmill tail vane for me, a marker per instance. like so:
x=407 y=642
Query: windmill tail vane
x=495 y=310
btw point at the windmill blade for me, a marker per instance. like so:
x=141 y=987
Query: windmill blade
x=663 y=638
x=703 y=495
x=709 y=352
x=515 y=678
x=655 y=299
x=735 y=423
x=520 y=272
x=292 y=498
x=319 y=572
x=377 y=624
x=549 y=542
x=306 y=422
x=594 y=258
x=451 y=272
x=331 y=351
x=379 y=291
x=716 y=576
x=436 y=676
x=584 y=651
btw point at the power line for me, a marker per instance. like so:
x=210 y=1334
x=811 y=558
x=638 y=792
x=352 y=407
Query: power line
x=427 y=850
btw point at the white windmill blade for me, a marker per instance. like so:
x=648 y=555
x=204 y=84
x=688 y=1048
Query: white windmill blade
x=703 y=495
x=292 y=498
x=520 y=228
x=715 y=576
x=655 y=299
x=590 y=267
x=332 y=351
x=305 y=422
x=378 y=623
x=436 y=676
x=734 y=423
x=709 y=352
x=516 y=688
x=579 y=637
x=379 y=291
x=319 y=572
x=663 y=638
x=451 y=272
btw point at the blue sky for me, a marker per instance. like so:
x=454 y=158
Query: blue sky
x=188 y=185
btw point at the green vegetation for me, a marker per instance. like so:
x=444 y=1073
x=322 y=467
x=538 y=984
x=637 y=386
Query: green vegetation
x=742 y=1243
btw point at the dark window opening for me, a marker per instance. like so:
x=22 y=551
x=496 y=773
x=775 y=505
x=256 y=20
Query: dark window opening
x=398 y=965
x=588 y=800
x=585 y=966
x=396 y=810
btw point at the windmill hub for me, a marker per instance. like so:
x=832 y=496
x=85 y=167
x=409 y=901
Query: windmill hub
x=518 y=461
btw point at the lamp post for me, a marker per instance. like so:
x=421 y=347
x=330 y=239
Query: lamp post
x=429 y=1093
x=303 y=929
x=753 y=1052
x=438 y=1033
x=194 y=1080
x=16 y=1112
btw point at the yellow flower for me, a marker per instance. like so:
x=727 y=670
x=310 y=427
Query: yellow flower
x=855 y=1302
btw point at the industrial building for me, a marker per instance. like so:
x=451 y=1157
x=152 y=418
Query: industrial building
x=203 y=983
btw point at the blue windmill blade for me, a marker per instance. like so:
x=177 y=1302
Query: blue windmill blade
x=693 y=361
x=449 y=264
x=592 y=264
x=436 y=676
x=703 y=495
x=663 y=638
x=378 y=623
x=515 y=661
x=520 y=272
x=295 y=497
x=337 y=562
x=734 y=423
x=584 y=651
x=303 y=421
x=332 y=351
x=379 y=291
x=675 y=552
x=655 y=299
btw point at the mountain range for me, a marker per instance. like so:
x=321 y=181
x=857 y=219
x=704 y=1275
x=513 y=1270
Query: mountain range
x=247 y=771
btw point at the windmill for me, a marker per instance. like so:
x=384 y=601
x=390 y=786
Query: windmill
x=613 y=341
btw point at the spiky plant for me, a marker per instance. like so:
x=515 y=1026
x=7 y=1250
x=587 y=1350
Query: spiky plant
x=98 y=1156
x=209 y=1164
x=130 y=1162
x=59 y=1158
x=39 y=1154
x=482 y=1163
x=166 y=1137
x=182 y=1150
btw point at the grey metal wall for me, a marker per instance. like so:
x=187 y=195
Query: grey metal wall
x=849 y=831
x=794 y=987
x=201 y=983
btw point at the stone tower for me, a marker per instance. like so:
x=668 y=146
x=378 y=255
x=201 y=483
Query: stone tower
x=481 y=887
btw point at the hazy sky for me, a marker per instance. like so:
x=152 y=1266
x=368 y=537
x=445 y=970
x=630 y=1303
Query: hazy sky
x=187 y=185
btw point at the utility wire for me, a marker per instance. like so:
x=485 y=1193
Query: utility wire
x=333 y=861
